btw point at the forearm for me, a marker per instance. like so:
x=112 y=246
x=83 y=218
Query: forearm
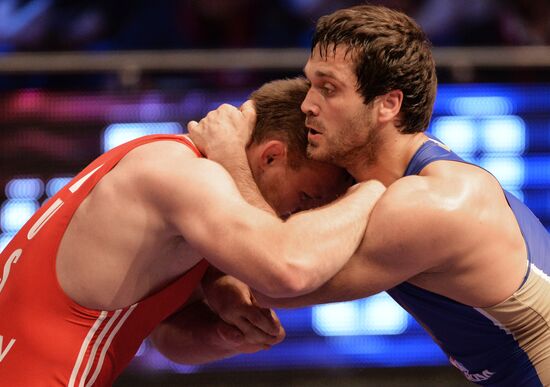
x=191 y=336
x=350 y=283
x=287 y=259
x=324 y=240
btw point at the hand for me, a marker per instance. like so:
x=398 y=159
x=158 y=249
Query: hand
x=233 y=341
x=232 y=300
x=224 y=131
x=197 y=335
x=265 y=301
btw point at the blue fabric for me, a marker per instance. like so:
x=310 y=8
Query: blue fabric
x=486 y=353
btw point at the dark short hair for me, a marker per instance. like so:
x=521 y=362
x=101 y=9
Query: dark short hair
x=280 y=117
x=390 y=52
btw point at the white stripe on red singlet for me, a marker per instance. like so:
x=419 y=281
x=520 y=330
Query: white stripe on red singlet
x=44 y=218
x=73 y=188
x=91 y=357
x=84 y=346
x=99 y=364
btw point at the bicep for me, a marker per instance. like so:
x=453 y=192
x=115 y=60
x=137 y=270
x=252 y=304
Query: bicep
x=407 y=235
x=208 y=211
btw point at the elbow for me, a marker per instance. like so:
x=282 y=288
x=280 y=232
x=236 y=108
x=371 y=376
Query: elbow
x=291 y=281
x=288 y=272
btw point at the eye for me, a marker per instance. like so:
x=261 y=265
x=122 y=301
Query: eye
x=327 y=88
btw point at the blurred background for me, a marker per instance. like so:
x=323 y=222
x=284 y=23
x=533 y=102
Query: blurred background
x=80 y=77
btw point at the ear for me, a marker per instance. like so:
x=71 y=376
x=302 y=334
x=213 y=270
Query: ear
x=389 y=105
x=274 y=152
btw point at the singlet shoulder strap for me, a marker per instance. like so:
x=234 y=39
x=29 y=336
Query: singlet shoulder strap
x=432 y=150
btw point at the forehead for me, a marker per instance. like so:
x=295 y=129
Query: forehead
x=333 y=64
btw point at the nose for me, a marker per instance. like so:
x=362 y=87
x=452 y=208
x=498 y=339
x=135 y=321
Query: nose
x=309 y=107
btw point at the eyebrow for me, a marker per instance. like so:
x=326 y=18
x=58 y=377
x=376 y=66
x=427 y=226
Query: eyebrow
x=324 y=74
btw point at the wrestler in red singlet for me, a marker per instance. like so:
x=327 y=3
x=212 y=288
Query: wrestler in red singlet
x=46 y=339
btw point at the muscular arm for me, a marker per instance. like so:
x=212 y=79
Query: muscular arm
x=201 y=201
x=400 y=233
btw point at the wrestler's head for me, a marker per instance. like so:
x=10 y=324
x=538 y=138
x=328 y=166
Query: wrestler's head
x=370 y=69
x=288 y=180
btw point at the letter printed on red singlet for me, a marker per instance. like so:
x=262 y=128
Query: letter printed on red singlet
x=33 y=231
x=4 y=351
x=14 y=257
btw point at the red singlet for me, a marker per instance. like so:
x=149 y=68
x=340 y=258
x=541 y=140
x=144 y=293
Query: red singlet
x=46 y=339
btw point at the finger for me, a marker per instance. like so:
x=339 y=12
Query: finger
x=230 y=334
x=191 y=125
x=249 y=111
x=280 y=330
x=251 y=348
x=247 y=107
x=253 y=335
x=262 y=300
x=263 y=320
x=281 y=335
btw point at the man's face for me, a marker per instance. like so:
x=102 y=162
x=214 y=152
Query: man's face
x=340 y=123
x=313 y=184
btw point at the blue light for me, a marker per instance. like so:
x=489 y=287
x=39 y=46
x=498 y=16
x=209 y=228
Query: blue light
x=117 y=134
x=15 y=213
x=503 y=134
x=510 y=171
x=376 y=315
x=459 y=133
x=5 y=239
x=26 y=188
x=537 y=171
x=481 y=106
x=54 y=185
x=337 y=319
x=383 y=316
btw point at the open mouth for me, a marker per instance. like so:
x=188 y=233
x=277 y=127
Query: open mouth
x=313 y=131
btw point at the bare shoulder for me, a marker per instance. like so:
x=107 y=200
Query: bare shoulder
x=158 y=154
x=163 y=166
x=443 y=193
x=168 y=179
x=412 y=198
x=422 y=218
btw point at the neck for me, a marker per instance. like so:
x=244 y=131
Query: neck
x=392 y=157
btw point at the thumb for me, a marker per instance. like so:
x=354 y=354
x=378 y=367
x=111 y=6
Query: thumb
x=191 y=125
x=249 y=111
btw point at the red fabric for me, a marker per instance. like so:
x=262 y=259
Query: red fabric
x=43 y=332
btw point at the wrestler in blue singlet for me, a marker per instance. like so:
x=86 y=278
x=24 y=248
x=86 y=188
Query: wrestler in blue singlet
x=504 y=345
